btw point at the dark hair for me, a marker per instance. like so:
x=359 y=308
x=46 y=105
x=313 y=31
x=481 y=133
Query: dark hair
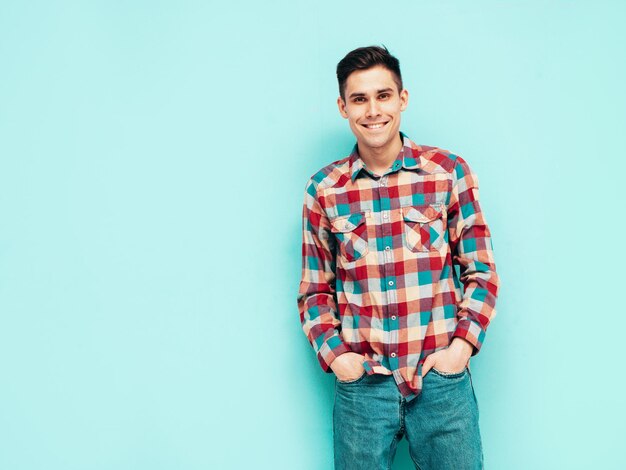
x=365 y=58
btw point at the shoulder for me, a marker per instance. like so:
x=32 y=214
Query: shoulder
x=331 y=175
x=439 y=160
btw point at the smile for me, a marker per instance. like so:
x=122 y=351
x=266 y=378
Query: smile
x=377 y=125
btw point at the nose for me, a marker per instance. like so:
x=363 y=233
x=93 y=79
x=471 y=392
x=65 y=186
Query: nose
x=373 y=109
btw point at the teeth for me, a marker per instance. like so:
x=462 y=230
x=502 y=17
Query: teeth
x=374 y=126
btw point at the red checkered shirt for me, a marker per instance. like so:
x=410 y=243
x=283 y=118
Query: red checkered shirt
x=380 y=256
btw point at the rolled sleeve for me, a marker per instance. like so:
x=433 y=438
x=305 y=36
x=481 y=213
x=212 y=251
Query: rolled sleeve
x=316 y=295
x=472 y=251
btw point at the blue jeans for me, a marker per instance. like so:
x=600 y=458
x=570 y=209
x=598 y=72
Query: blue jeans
x=440 y=424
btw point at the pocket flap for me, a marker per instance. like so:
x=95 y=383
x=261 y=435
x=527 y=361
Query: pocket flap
x=422 y=214
x=348 y=224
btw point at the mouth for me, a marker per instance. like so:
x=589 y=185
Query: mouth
x=375 y=125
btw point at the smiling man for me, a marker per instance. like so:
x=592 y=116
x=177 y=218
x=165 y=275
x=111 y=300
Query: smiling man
x=385 y=231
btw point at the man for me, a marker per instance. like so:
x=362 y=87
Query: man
x=384 y=232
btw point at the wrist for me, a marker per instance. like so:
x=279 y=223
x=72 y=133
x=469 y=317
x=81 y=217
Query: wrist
x=338 y=360
x=461 y=346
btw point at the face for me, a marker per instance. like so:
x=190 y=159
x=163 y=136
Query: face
x=373 y=106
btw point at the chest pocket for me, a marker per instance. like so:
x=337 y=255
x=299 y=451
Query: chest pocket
x=351 y=233
x=424 y=228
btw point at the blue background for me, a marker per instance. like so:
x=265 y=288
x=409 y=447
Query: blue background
x=153 y=158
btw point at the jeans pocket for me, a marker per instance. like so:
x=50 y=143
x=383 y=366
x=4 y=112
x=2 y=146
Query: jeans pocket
x=354 y=381
x=449 y=375
x=473 y=391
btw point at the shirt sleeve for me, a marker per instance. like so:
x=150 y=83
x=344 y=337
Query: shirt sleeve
x=472 y=252
x=317 y=296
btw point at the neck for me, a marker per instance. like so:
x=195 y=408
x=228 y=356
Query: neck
x=379 y=159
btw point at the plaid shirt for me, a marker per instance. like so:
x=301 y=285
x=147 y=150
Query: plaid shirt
x=379 y=256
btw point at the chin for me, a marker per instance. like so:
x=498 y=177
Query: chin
x=377 y=141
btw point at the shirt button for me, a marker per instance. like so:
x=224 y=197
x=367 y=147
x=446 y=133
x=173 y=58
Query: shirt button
x=393 y=317
x=393 y=354
x=391 y=283
x=387 y=248
x=385 y=215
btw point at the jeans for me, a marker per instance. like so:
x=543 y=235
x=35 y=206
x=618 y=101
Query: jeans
x=440 y=424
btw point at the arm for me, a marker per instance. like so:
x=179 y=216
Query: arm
x=472 y=252
x=470 y=245
x=316 y=295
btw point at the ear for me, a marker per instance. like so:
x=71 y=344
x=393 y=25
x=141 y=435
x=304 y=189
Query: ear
x=341 y=104
x=404 y=99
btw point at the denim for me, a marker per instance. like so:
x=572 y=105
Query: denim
x=370 y=417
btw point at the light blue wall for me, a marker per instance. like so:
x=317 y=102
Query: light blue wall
x=153 y=163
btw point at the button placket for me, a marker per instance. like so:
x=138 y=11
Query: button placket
x=388 y=269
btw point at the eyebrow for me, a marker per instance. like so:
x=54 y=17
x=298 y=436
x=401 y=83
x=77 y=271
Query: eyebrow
x=357 y=94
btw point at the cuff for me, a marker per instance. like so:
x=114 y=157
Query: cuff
x=471 y=332
x=330 y=350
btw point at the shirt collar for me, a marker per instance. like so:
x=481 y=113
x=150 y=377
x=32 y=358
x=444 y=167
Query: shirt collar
x=407 y=158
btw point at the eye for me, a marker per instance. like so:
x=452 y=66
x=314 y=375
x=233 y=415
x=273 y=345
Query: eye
x=383 y=96
x=359 y=99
